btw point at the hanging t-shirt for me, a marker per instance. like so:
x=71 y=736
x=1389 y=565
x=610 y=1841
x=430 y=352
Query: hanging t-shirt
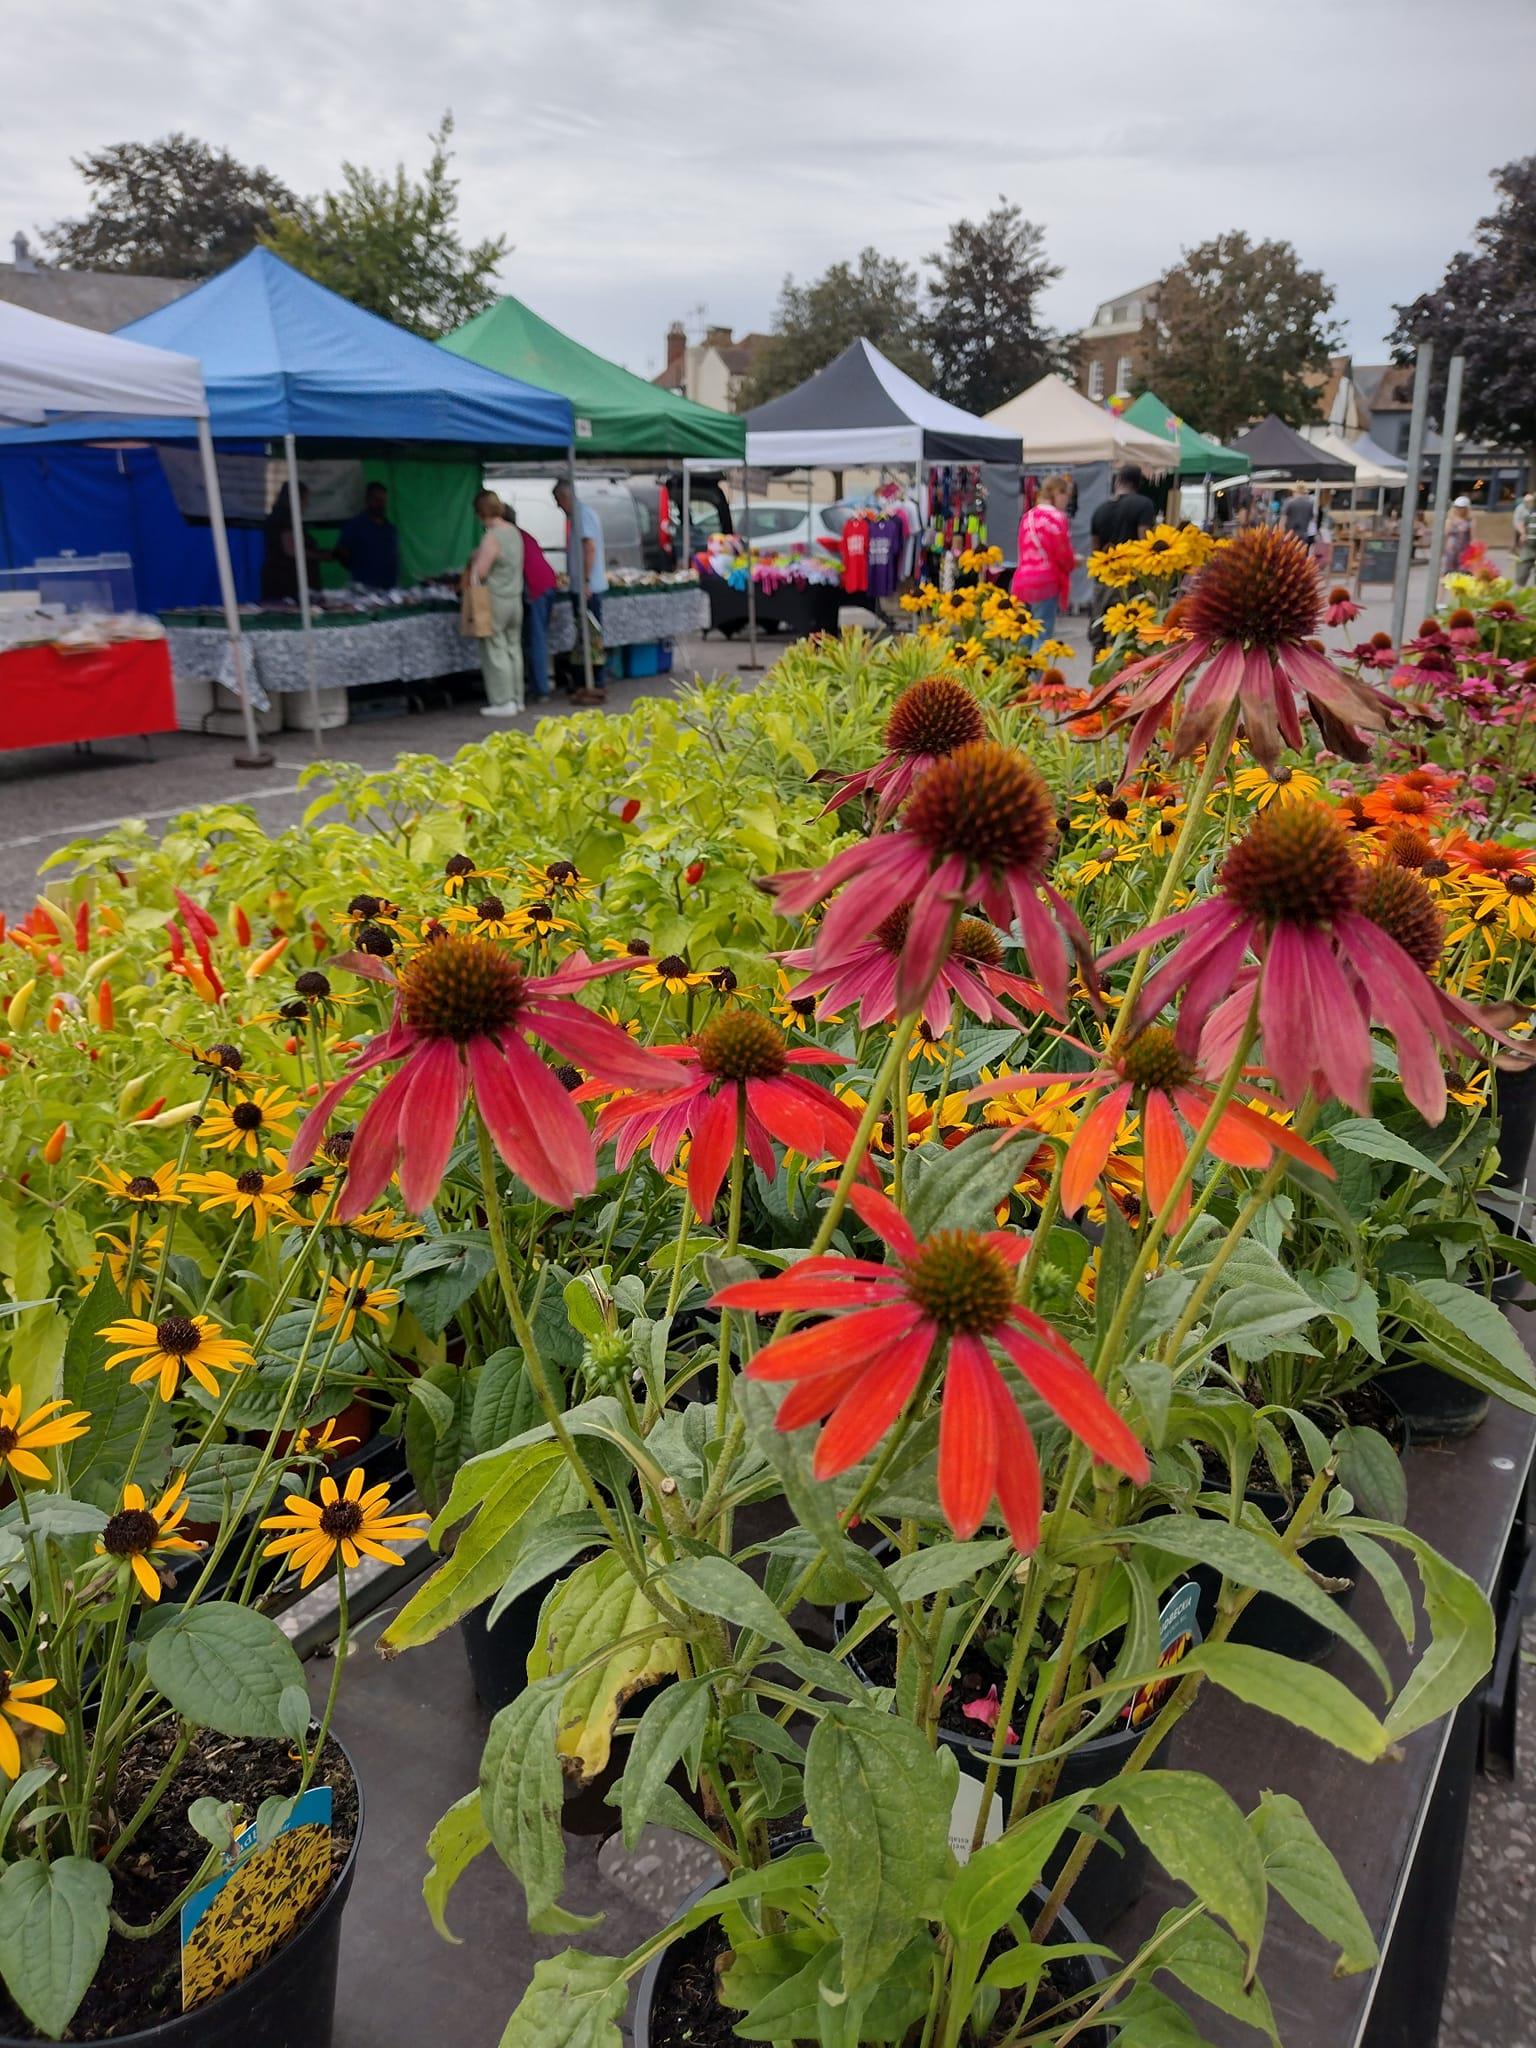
x=856 y=555
x=885 y=542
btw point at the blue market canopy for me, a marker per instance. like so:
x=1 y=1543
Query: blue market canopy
x=282 y=355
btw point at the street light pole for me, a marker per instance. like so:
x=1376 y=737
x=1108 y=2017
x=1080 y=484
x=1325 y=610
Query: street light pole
x=1421 y=372
x=1446 y=474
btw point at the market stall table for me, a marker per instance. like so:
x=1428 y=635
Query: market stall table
x=633 y=617
x=401 y=644
x=791 y=606
x=49 y=696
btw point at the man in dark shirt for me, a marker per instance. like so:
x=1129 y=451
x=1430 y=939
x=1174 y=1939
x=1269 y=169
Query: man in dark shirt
x=1126 y=515
x=368 y=546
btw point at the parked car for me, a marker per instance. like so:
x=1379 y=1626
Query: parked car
x=781 y=525
x=532 y=502
x=708 y=513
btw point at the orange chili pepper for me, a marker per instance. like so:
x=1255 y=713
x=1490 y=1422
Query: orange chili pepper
x=154 y=1109
x=53 y=1151
x=106 y=1007
x=269 y=958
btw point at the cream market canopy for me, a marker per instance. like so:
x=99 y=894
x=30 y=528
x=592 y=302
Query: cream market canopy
x=1061 y=429
x=616 y=412
x=1374 y=469
x=862 y=409
x=1274 y=447
x=1199 y=455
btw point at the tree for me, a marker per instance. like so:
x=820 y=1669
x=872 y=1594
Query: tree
x=983 y=331
x=1485 y=307
x=875 y=297
x=1241 y=330
x=173 y=208
x=391 y=243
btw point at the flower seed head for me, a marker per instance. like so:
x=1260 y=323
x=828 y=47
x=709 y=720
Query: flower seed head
x=961 y=1281
x=143 y=1188
x=365 y=907
x=251 y=1182
x=374 y=940
x=247 y=1116
x=934 y=716
x=178 y=1335
x=988 y=803
x=976 y=941
x=1293 y=864
x=130 y=1533
x=741 y=1046
x=1261 y=590
x=461 y=989
x=341 y=1519
x=1397 y=900
x=312 y=984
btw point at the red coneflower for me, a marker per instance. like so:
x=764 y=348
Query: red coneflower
x=1152 y=1075
x=1341 y=607
x=1489 y=856
x=464 y=1011
x=937 y=1305
x=929 y=719
x=980 y=826
x=1377 y=652
x=1252 y=610
x=972 y=970
x=738 y=1058
x=1291 y=894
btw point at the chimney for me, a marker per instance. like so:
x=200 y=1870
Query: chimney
x=677 y=342
x=718 y=337
x=23 y=252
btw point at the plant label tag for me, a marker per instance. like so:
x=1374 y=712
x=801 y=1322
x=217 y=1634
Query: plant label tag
x=244 y=1915
x=962 y=1816
x=1178 y=1631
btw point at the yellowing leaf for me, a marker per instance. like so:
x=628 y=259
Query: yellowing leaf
x=587 y=1622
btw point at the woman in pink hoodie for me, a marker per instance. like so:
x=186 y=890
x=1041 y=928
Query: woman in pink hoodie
x=1043 y=579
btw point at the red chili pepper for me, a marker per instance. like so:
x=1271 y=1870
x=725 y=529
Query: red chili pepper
x=178 y=943
x=42 y=925
x=242 y=926
x=290 y=1045
x=630 y=812
x=106 y=1008
x=197 y=919
x=693 y=874
x=56 y=966
x=83 y=927
x=154 y=1109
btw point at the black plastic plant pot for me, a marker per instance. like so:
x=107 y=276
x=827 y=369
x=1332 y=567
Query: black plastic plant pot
x=1268 y=1622
x=1079 y=1975
x=1514 y=1094
x=1437 y=1407
x=289 y=2001
x=498 y=1655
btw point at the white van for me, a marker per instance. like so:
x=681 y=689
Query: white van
x=532 y=501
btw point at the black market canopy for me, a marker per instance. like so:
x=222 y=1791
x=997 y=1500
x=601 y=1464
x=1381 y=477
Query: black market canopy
x=1276 y=449
x=862 y=409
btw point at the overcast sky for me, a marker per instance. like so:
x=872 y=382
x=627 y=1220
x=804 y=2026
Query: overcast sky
x=648 y=159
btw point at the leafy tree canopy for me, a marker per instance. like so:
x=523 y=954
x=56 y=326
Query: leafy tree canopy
x=391 y=243
x=1242 y=330
x=173 y=208
x=1485 y=307
x=983 y=329
x=875 y=296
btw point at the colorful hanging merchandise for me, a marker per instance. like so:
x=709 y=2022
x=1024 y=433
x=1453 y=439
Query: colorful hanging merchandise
x=957 y=522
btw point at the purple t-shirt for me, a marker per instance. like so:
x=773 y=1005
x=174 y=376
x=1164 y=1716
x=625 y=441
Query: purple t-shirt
x=886 y=537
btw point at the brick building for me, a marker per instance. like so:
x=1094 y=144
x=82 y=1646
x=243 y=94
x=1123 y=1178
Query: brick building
x=1114 y=351
x=711 y=371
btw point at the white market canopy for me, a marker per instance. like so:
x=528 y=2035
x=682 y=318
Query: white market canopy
x=1060 y=428
x=49 y=368
x=862 y=409
x=1374 y=468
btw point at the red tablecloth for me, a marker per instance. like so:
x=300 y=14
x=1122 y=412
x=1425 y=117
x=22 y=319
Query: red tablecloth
x=117 y=692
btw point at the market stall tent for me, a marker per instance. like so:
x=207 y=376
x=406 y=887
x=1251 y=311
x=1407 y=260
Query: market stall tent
x=1371 y=466
x=1061 y=429
x=616 y=412
x=1274 y=447
x=1199 y=455
x=862 y=409
x=51 y=371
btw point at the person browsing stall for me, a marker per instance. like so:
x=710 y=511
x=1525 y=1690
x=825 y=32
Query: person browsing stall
x=368 y=546
x=279 y=563
x=1043 y=579
x=498 y=564
x=539 y=585
x=588 y=576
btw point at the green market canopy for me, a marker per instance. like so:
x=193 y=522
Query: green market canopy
x=617 y=413
x=1198 y=455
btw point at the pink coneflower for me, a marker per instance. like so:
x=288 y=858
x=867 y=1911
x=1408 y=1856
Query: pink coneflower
x=738 y=1058
x=1171 y=1090
x=1251 y=612
x=464 y=1011
x=980 y=826
x=1341 y=607
x=1377 y=652
x=929 y=719
x=973 y=973
x=939 y=1304
x=1291 y=893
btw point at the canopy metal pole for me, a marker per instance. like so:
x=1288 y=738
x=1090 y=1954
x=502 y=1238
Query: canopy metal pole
x=576 y=568
x=1421 y=371
x=301 y=566
x=683 y=559
x=253 y=757
x=752 y=661
x=1443 y=480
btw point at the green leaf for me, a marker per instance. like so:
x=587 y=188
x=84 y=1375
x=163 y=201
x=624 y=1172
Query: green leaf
x=1461 y=1634
x=1259 y=1302
x=220 y=1480
x=505 y=1403
x=293 y=1710
x=1198 y=1834
x=1148 y=2019
x=1300 y=1693
x=940 y=1566
x=987 y=1893
x=1345 y=1295
x=437 y=1429
x=1372 y=1140
x=225 y=1667
x=522 y=1796
x=546 y=1548
x=97 y=1461
x=1464 y=1333
x=716 y=1586
x=57 y=1517
x=574 y=2001
x=1372 y=1471
x=522 y=1483
x=1252 y=1560
x=1383 y=1567
x=53 y=1931
x=1206 y=1960
x=670 y=1726
x=439 y=1275
x=1152 y=1384
x=878 y=1800
x=1303 y=1870
x=459 y=1837
x=17 y=1796
x=961 y=1188
x=582 y=1309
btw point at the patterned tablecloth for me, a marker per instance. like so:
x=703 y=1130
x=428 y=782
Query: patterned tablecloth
x=630 y=617
x=414 y=648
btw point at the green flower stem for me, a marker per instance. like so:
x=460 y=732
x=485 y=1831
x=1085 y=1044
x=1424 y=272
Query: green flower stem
x=236 y=1233
x=164 y=1266
x=338 y=1664
x=732 y=1242
x=1216 y=756
x=153 y=1796
x=675 y=1286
